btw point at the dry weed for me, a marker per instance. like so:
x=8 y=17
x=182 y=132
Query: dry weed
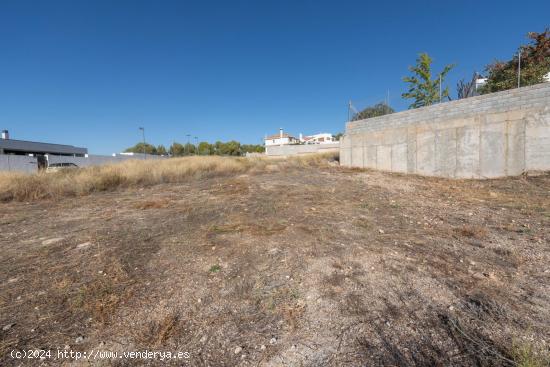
x=152 y=204
x=476 y=232
x=22 y=187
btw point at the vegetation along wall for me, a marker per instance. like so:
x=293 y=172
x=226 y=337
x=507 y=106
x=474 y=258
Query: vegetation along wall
x=493 y=135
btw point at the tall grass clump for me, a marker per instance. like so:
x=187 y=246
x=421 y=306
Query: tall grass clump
x=136 y=173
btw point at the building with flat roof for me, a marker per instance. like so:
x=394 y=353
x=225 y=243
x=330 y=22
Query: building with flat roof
x=22 y=147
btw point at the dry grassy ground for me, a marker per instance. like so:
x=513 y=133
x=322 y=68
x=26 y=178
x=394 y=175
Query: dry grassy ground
x=281 y=264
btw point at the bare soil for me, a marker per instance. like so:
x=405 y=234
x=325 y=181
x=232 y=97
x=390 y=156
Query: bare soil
x=294 y=267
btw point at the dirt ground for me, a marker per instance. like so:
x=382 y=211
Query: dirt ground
x=294 y=267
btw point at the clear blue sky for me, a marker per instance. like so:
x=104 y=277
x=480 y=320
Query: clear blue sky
x=89 y=73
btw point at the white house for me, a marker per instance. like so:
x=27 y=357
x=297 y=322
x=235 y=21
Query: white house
x=281 y=139
x=480 y=82
x=322 y=138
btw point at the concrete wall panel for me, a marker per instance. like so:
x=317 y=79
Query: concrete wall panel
x=492 y=161
x=467 y=154
x=357 y=156
x=383 y=157
x=515 y=148
x=345 y=155
x=372 y=156
x=425 y=153
x=399 y=158
x=538 y=147
x=445 y=152
x=411 y=150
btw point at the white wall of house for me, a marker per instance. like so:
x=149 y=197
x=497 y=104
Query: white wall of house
x=277 y=141
x=322 y=138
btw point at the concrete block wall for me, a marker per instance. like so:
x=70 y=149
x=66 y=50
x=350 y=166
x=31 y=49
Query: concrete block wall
x=288 y=150
x=494 y=135
x=18 y=163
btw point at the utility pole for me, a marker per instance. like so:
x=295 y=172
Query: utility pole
x=188 y=147
x=143 y=136
x=519 y=67
x=196 y=146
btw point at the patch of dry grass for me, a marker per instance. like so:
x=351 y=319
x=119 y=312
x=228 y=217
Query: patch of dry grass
x=22 y=187
x=476 y=232
x=158 y=332
x=152 y=204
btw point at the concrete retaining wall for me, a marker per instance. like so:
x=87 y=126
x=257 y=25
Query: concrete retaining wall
x=494 y=135
x=19 y=163
x=286 y=150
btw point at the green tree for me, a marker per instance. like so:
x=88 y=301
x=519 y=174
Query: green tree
x=205 y=148
x=230 y=148
x=422 y=88
x=176 y=149
x=189 y=149
x=161 y=150
x=535 y=64
x=142 y=148
x=378 y=109
x=338 y=136
x=252 y=148
x=233 y=148
x=218 y=148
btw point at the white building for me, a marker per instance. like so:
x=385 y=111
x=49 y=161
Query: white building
x=281 y=139
x=322 y=138
x=480 y=82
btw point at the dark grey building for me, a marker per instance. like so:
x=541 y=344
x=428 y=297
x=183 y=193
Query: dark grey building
x=39 y=150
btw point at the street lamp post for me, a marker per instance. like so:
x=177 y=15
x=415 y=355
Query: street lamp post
x=196 y=145
x=188 y=142
x=143 y=136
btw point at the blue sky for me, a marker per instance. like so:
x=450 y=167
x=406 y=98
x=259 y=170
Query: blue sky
x=89 y=73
